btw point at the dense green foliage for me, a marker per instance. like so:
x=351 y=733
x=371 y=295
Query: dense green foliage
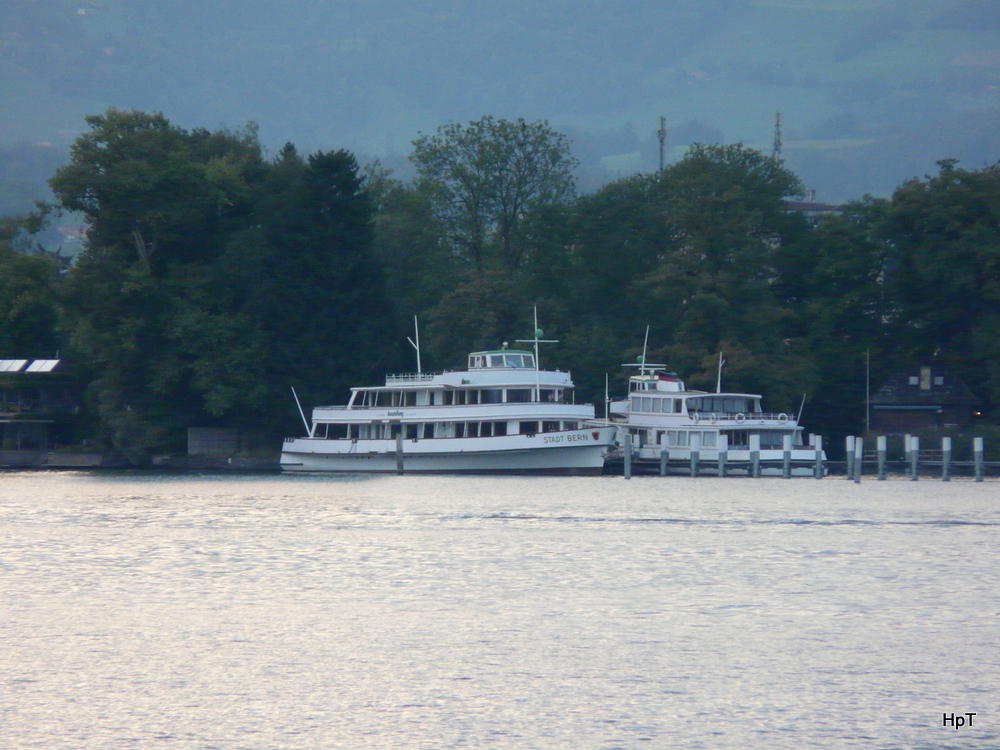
x=28 y=310
x=214 y=278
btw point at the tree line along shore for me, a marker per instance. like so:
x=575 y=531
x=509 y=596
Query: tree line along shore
x=215 y=276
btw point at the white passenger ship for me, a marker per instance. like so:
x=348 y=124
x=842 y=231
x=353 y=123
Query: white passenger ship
x=501 y=415
x=661 y=414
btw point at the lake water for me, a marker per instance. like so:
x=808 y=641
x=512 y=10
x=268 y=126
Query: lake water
x=157 y=611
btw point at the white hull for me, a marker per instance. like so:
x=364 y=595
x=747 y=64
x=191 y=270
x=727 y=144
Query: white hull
x=576 y=452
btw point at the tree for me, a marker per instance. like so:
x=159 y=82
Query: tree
x=212 y=279
x=944 y=232
x=485 y=178
x=693 y=253
x=28 y=311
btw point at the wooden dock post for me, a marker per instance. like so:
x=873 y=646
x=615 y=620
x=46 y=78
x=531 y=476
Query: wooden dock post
x=946 y=459
x=849 y=455
x=695 y=452
x=723 y=454
x=818 y=470
x=664 y=455
x=914 y=458
x=882 y=449
x=907 y=457
x=977 y=450
x=786 y=456
x=859 y=459
x=755 y=456
x=628 y=455
x=399 y=451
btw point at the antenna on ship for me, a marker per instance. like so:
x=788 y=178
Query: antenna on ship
x=641 y=363
x=607 y=398
x=416 y=332
x=536 y=341
x=718 y=381
x=301 y=413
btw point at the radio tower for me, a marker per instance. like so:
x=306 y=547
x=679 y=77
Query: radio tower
x=662 y=135
x=776 y=153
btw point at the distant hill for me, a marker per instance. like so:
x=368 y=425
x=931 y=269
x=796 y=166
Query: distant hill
x=871 y=91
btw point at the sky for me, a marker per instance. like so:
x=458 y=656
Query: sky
x=871 y=93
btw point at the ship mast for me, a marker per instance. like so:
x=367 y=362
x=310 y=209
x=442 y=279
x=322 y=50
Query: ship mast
x=538 y=364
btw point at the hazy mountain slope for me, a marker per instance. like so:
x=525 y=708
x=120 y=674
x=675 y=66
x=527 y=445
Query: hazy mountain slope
x=870 y=92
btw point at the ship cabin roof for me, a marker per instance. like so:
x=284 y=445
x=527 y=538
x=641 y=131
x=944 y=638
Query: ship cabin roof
x=656 y=381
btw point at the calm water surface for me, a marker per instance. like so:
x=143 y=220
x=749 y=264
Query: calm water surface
x=151 y=611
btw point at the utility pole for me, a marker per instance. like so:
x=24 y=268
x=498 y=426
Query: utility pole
x=776 y=153
x=662 y=135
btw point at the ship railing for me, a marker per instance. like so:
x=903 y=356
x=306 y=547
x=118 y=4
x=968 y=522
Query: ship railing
x=410 y=377
x=743 y=417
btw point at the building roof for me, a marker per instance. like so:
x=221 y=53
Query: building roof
x=924 y=386
x=18 y=366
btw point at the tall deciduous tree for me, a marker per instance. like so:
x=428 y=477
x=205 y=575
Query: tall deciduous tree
x=483 y=179
x=945 y=272
x=213 y=279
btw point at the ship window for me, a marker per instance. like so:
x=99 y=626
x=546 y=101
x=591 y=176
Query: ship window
x=486 y=429
x=411 y=431
x=682 y=438
x=514 y=360
x=472 y=397
x=529 y=360
x=518 y=395
x=472 y=430
x=492 y=396
x=354 y=431
x=771 y=438
x=708 y=439
x=571 y=425
x=448 y=396
x=548 y=395
x=460 y=429
x=409 y=398
x=395 y=429
x=658 y=405
x=550 y=427
x=496 y=360
x=499 y=429
x=527 y=428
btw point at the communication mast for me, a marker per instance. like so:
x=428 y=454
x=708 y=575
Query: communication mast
x=776 y=153
x=662 y=135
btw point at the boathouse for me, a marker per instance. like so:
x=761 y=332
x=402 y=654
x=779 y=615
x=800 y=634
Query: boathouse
x=926 y=398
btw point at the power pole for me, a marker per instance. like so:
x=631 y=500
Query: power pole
x=776 y=153
x=662 y=135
